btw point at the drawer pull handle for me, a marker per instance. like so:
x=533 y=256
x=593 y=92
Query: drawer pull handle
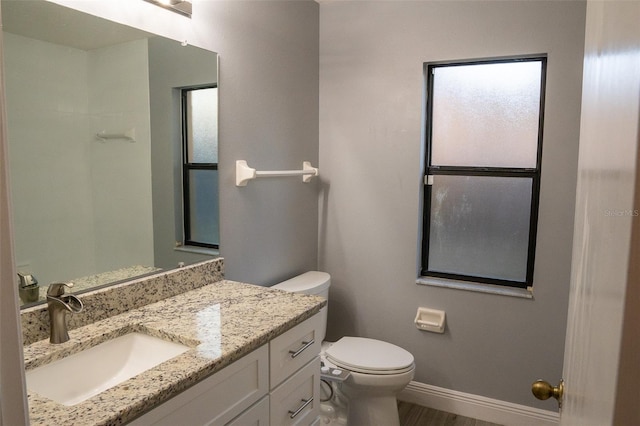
x=305 y=345
x=305 y=402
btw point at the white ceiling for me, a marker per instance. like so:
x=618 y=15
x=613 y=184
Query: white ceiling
x=53 y=23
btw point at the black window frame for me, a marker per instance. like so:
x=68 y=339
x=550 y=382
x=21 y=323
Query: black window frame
x=187 y=167
x=532 y=173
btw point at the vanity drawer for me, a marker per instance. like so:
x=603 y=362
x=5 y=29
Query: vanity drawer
x=293 y=349
x=258 y=415
x=217 y=399
x=297 y=400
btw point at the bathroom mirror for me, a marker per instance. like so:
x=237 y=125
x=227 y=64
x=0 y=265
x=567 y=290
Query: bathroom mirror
x=94 y=129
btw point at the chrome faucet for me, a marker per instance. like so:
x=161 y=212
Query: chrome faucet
x=58 y=304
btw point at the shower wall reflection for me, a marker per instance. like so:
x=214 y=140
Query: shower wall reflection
x=83 y=208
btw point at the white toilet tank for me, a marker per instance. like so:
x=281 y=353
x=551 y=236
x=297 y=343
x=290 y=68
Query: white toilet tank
x=312 y=282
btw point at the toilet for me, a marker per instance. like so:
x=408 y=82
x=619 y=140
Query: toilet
x=377 y=370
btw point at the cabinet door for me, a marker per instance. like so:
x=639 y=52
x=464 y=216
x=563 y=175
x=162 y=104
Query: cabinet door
x=297 y=400
x=258 y=415
x=293 y=349
x=217 y=399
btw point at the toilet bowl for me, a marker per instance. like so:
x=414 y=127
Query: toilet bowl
x=378 y=370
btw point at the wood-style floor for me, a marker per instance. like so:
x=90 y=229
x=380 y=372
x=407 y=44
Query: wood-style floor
x=416 y=415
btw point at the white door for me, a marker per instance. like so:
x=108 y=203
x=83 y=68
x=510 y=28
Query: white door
x=602 y=353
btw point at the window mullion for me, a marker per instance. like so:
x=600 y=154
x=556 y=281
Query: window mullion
x=481 y=171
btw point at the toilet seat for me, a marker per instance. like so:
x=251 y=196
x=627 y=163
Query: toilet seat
x=369 y=356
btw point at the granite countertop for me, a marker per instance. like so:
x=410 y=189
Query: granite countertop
x=220 y=322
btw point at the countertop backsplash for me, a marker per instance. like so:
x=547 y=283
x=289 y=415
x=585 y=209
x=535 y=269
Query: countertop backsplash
x=117 y=299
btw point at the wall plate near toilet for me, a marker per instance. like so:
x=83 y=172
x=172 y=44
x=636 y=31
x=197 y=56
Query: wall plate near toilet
x=430 y=320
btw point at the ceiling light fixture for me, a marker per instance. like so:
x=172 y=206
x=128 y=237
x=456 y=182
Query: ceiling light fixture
x=182 y=7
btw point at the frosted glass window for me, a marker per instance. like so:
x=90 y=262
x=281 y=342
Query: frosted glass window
x=203 y=209
x=200 y=167
x=202 y=125
x=480 y=226
x=486 y=114
x=482 y=183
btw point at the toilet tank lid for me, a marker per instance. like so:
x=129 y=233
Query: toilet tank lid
x=312 y=282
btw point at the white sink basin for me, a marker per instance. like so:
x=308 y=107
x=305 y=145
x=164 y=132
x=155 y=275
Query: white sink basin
x=82 y=375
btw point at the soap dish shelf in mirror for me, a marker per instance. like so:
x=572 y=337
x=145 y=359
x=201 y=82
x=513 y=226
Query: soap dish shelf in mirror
x=129 y=135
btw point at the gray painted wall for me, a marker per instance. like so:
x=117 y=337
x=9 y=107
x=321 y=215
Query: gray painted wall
x=371 y=90
x=268 y=117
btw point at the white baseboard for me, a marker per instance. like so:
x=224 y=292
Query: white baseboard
x=477 y=407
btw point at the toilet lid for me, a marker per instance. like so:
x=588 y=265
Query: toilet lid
x=371 y=356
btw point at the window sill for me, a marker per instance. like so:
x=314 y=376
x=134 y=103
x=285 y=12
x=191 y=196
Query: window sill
x=198 y=250
x=477 y=287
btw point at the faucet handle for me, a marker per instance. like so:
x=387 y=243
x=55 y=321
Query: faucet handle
x=57 y=289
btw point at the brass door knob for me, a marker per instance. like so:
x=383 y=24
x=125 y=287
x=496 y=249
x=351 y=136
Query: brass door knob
x=543 y=390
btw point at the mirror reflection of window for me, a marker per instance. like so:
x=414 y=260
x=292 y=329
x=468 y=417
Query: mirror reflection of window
x=200 y=166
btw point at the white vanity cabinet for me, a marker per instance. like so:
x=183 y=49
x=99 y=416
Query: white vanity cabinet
x=294 y=371
x=219 y=398
x=278 y=384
